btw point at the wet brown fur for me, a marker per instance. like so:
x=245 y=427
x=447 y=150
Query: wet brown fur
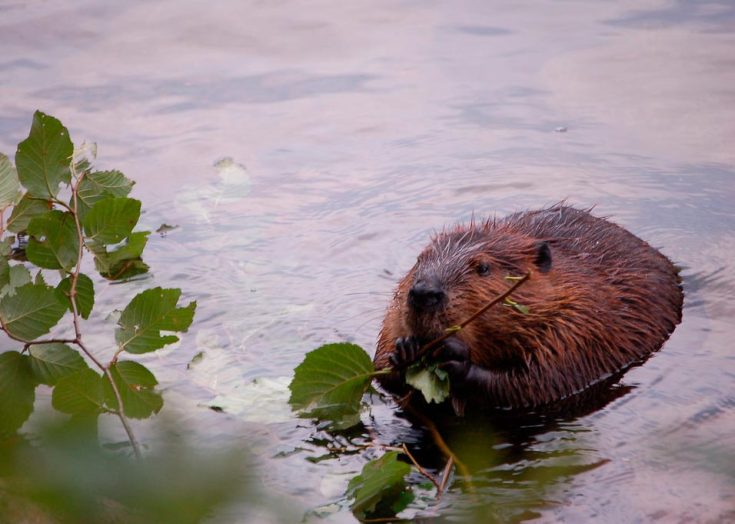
x=607 y=301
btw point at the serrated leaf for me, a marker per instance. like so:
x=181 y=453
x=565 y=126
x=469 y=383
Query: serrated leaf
x=6 y=246
x=42 y=159
x=17 y=392
x=85 y=294
x=27 y=208
x=99 y=185
x=125 y=270
x=330 y=382
x=132 y=248
x=53 y=242
x=79 y=393
x=135 y=384
x=39 y=280
x=432 y=382
x=9 y=184
x=149 y=313
x=124 y=261
x=31 y=312
x=17 y=276
x=84 y=156
x=402 y=501
x=380 y=485
x=111 y=220
x=51 y=362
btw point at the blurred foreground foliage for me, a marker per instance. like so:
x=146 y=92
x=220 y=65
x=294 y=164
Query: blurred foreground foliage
x=64 y=475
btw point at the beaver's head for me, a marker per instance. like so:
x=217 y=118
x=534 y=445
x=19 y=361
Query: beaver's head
x=464 y=269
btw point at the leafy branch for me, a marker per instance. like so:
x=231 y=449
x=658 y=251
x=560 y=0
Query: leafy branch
x=329 y=385
x=60 y=209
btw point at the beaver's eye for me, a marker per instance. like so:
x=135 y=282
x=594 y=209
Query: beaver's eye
x=483 y=269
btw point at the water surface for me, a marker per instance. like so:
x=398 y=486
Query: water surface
x=307 y=150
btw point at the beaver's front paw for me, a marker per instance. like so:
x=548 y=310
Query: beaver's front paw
x=454 y=358
x=407 y=349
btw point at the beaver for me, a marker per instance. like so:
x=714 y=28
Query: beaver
x=598 y=300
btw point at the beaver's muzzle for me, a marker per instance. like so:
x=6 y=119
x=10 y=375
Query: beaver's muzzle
x=426 y=295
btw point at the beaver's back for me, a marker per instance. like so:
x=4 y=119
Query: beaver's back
x=592 y=240
x=606 y=251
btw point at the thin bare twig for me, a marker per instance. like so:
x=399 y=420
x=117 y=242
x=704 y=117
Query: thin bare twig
x=75 y=316
x=445 y=475
x=443 y=447
x=425 y=473
x=119 y=410
x=28 y=343
x=80 y=252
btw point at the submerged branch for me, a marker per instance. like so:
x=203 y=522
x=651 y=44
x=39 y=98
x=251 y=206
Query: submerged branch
x=443 y=447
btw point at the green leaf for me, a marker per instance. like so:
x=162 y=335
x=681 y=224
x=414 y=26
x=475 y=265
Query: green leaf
x=521 y=308
x=42 y=159
x=135 y=384
x=53 y=242
x=79 y=393
x=330 y=382
x=17 y=392
x=6 y=247
x=149 y=313
x=24 y=211
x=83 y=158
x=9 y=184
x=132 y=248
x=402 y=501
x=17 y=276
x=4 y=273
x=515 y=305
x=432 y=382
x=51 y=362
x=85 y=294
x=31 y=312
x=99 y=185
x=380 y=489
x=110 y=220
x=123 y=262
x=126 y=269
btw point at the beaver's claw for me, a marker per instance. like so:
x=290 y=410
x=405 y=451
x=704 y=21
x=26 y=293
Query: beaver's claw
x=454 y=358
x=407 y=349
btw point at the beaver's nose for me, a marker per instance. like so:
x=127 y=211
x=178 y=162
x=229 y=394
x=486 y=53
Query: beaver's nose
x=426 y=295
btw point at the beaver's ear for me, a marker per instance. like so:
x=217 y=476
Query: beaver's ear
x=543 y=256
